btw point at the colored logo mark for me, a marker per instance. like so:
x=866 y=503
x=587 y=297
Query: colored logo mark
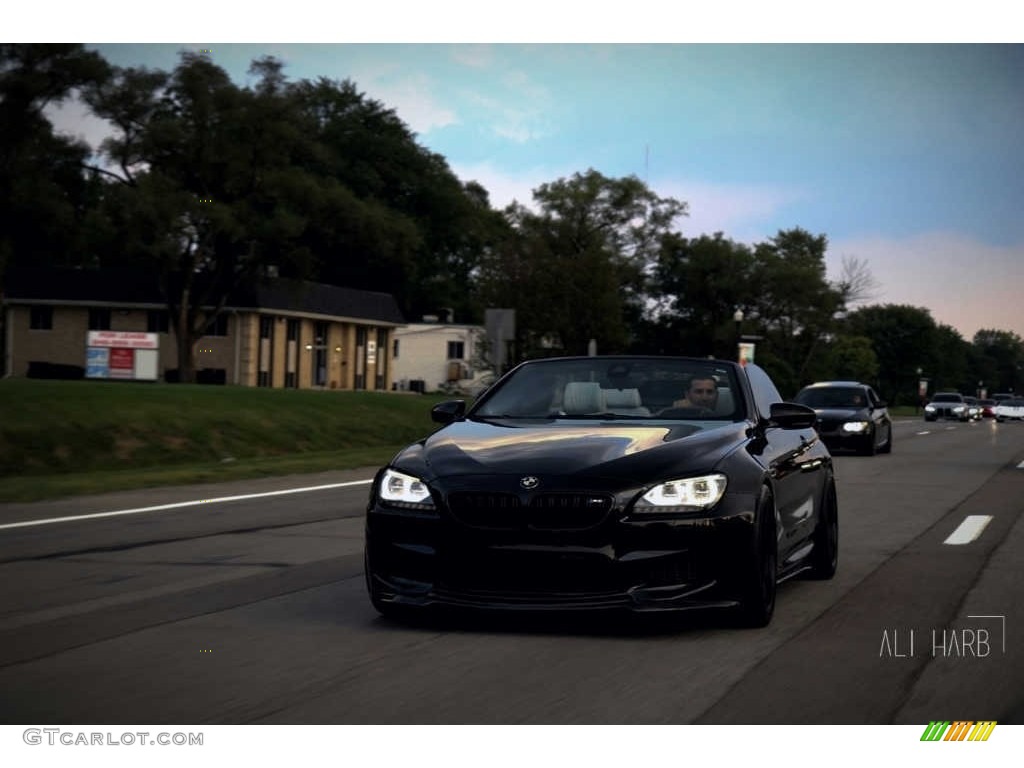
x=958 y=730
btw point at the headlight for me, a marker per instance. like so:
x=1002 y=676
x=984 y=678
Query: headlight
x=958 y=408
x=684 y=495
x=929 y=408
x=855 y=426
x=402 y=490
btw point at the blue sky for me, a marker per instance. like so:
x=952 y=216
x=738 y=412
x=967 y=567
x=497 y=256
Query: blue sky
x=906 y=156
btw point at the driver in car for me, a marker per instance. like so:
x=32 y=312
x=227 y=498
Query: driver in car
x=702 y=393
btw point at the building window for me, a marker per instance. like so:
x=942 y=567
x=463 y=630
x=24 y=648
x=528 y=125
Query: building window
x=263 y=379
x=293 y=330
x=360 y=337
x=157 y=321
x=266 y=327
x=41 y=318
x=218 y=326
x=394 y=349
x=99 y=319
x=456 y=350
x=290 y=380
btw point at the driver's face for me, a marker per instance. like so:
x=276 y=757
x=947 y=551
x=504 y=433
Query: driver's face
x=702 y=393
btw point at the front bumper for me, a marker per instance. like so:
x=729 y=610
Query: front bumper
x=668 y=564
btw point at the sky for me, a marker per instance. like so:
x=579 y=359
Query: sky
x=901 y=144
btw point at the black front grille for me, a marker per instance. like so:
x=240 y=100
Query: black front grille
x=545 y=511
x=486 y=510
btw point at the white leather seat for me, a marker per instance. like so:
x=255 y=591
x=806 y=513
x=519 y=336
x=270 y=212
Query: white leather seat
x=583 y=397
x=625 y=401
x=725 y=405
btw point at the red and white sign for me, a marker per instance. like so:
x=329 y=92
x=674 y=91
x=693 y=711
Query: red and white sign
x=122 y=363
x=123 y=339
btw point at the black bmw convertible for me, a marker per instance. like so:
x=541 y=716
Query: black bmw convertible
x=593 y=483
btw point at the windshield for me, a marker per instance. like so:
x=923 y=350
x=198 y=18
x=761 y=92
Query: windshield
x=616 y=387
x=947 y=398
x=832 y=397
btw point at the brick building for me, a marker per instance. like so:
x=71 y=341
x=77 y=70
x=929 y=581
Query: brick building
x=277 y=333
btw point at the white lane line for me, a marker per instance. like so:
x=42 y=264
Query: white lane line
x=969 y=529
x=950 y=429
x=1021 y=465
x=926 y=432
x=180 y=504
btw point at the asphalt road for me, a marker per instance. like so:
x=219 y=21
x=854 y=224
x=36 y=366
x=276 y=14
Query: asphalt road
x=253 y=610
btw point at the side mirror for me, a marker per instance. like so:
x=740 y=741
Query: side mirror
x=792 y=416
x=448 y=411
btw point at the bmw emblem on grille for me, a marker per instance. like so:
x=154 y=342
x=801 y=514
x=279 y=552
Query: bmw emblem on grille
x=529 y=482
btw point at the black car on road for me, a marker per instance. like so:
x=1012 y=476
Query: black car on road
x=588 y=483
x=850 y=415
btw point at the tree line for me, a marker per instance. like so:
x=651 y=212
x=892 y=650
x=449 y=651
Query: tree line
x=208 y=184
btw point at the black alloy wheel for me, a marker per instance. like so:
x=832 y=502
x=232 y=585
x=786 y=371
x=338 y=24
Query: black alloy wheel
x=759 y=581
x=887 y=448
x=870 y=448
x=825 y=555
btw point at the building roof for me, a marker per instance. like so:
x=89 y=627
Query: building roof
x=137 y=287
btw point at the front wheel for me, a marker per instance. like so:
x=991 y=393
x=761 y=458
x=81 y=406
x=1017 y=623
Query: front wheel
x=825 y=555
x=887 y=448
x=758 y=585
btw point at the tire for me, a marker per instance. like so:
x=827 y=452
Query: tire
x=869 y=448
x=825 y=555
x=887 y=448
x=759 y=582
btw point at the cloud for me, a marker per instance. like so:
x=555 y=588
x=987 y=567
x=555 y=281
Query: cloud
x=965 y=283
x=742 y=212
x=73 y=118
x=504 y=187
x=412 y=100
x=473 y=56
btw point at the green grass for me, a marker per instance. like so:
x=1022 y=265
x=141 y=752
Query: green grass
x=61 y=438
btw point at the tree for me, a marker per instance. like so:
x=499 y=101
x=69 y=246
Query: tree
x=1001 y=360
x=392 y=216
x=575 y=269
x=849 y=358
x=205 y=181
x=856 y=284
x=905 y=338
x=792 y=303
x=43 y=195
x=695 y=289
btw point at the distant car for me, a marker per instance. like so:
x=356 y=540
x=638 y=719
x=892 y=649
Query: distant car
x=974 y=409
x=987 y=408
x=1003 y=396
x=850 y=415
x=579 y=483
x=947 y=405
x=1010 y=410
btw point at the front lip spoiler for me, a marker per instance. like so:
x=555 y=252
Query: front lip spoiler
x=679 y=597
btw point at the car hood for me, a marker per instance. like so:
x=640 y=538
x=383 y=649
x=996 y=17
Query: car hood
x=566 y=448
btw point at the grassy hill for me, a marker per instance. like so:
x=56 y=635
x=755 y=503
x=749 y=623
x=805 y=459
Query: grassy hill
x=68 y=437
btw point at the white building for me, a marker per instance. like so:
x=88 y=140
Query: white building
x=430 y=356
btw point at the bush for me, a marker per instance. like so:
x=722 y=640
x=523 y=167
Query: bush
x=38 y=369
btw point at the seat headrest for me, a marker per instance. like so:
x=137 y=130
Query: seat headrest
x=583 y=397
x=622 y=398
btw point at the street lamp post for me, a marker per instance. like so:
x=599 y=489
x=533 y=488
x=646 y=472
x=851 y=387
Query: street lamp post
x=737 y=318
